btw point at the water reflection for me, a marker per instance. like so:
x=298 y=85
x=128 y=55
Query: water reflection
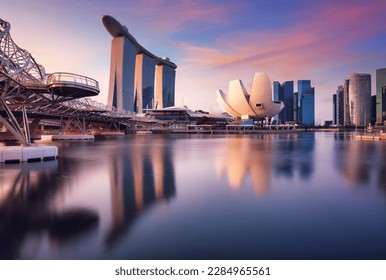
x=256 y=157
x=360 y=162
x=50 y=198
x=25 y=194
x=292 y=152
x=106 y=199
x=138 y=178
x=246 y=157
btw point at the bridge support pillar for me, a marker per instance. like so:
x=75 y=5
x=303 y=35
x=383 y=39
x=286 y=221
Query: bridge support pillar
x=23 y=135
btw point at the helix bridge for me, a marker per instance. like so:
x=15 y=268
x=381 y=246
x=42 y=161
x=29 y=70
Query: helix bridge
x=27 y=91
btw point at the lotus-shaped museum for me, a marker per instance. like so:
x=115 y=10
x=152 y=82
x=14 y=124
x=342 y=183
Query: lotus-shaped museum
x=257 y=105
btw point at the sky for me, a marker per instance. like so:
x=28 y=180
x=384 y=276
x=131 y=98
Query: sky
x=212 y=42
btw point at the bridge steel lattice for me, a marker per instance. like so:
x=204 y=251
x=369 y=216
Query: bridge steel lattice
x=26 y=89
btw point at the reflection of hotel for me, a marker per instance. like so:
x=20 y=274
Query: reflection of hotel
x=247 y=157
x=139 y=178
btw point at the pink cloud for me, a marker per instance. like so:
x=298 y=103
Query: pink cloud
x=320 y=38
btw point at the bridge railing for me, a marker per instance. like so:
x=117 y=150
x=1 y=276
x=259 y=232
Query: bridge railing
x=71 y=79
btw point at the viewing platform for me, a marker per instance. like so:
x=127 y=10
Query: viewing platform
x=69 y=84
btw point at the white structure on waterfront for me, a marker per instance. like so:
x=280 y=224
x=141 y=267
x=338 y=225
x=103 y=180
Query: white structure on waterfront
x=138 y=79
x=257 y=105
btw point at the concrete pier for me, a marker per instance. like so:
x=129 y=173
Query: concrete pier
x=16 y=154
x=372 y=137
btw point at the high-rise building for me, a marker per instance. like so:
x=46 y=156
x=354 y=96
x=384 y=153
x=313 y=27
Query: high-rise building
x=338 y=106
x=296 y=107
x=138 y=79
x=285 y=92
x=357 y=93
x=307 y=103
x=122 y=69
x=164 y=87
x=381 y=95
x=277 y=96
x=144 y=82
x=346 y=111
x=334 y=110
x=373 y=109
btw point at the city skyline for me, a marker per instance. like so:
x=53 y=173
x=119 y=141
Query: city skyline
x=211 y=44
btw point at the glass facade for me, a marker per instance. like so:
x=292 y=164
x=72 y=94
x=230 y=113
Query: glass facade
x=334 y=110
x=276 y=97
x=122 y=69
x=136 y=83
x=145 y=73
x=285 y=92
x=165 y=86
x=338 y=106
x=307 y=103
x=296 y=107
x=381 y=97
x=359 y=99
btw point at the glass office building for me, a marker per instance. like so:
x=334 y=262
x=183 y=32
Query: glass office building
x=307 y=103
x=338 y=106
x=358 y=98
x=381 y=95
x=285 y=92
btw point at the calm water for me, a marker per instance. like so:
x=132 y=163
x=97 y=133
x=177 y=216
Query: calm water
x=300 y=196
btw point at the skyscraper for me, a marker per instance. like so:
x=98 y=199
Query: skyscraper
x=285 y=92
x=138 y=79
x=381 y=95
x=164 y=87
x=276 y=96
x=296 y=107
x=144 y=82
x=346 y=111
x=338 y=106
x=358 y=99
x=334 y=110
x=307 y=103
x=122 y=69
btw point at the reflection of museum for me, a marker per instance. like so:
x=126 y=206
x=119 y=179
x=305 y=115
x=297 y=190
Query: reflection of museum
x=255 y=159
x=246 y=157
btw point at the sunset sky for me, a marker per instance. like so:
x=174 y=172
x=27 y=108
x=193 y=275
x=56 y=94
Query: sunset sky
x=212 y=42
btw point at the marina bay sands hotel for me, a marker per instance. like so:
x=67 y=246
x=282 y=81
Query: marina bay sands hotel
x=138 y=79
